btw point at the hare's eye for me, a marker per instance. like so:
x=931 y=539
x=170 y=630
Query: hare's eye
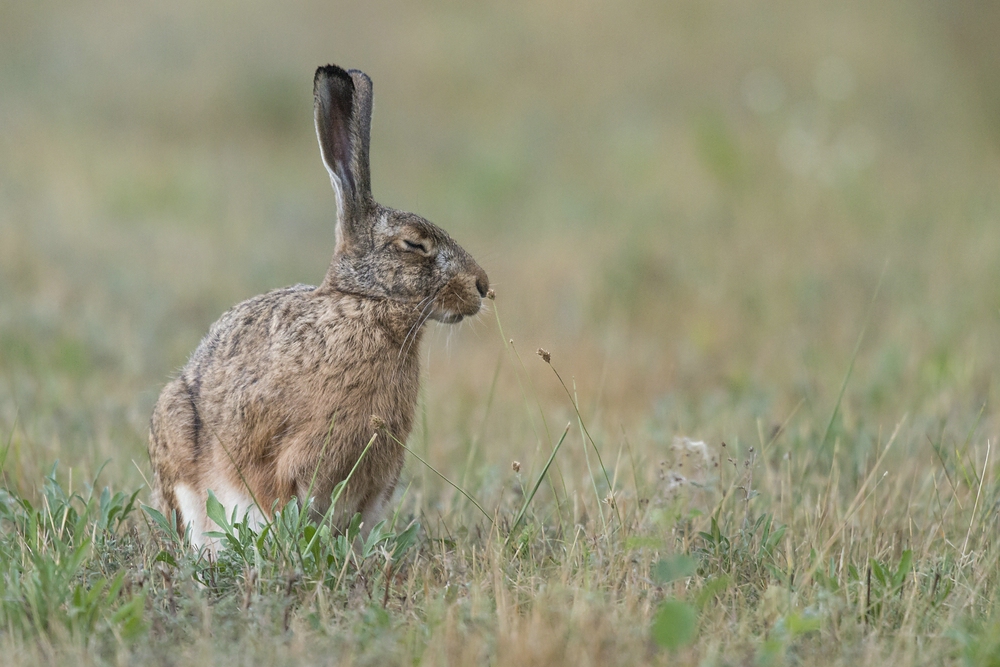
x=414 y=246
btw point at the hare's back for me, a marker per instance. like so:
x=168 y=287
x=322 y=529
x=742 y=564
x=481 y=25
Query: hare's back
x=261 y=342
x=291 y=355
x=253 y=328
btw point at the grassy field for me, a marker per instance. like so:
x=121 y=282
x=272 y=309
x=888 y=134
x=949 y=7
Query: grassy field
x=760 y=240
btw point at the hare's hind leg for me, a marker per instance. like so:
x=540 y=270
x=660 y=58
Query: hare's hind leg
x=373 y=509
x=174 y=439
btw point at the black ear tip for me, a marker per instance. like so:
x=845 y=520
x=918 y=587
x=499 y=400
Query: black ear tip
x=327 y=72
x=358 y=74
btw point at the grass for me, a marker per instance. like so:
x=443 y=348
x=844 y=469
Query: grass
x=762 y=256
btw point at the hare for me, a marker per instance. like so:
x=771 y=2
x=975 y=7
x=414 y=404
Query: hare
x=276 y=402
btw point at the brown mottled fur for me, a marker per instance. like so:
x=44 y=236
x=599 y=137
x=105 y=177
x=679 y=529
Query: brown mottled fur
x=282 y=389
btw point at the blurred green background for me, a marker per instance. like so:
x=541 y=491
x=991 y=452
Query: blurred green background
x=690 y=204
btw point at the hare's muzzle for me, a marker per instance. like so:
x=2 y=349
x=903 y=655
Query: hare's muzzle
x=483 y=285
x=462 y=296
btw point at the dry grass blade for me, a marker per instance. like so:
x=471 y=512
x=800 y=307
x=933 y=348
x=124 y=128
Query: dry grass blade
x=547 y=358
x=465 y=493
x=975 y=506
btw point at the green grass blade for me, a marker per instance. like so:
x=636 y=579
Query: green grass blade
x=854 y=356
x=538 y=482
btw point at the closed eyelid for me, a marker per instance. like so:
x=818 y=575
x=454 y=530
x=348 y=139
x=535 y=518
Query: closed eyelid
x=417 y=244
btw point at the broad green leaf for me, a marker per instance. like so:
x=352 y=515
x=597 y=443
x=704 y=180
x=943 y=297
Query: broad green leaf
x=878 y=571
x=799 y=625
x=354 y=529
x=165 y=557
x=129 y=618
x=633 y=543
x=217 y=513
x=775 y=538
x=674 y=624
x=405 y=540
x=374 y=537
x=160 y=521
x=905 y=561
x=674 y=567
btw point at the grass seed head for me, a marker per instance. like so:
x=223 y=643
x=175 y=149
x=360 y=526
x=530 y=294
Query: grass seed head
x=544 y=354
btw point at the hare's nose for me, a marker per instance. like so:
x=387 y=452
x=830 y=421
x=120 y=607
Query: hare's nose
x=482 y=284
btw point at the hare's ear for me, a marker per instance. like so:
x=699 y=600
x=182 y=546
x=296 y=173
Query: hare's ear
x=343 y=113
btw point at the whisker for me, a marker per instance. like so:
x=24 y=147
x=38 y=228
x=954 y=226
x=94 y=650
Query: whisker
x=416 y=328
x=411 y=335
x=420 y=305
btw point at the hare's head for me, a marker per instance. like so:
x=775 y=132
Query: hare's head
x=381 y=252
